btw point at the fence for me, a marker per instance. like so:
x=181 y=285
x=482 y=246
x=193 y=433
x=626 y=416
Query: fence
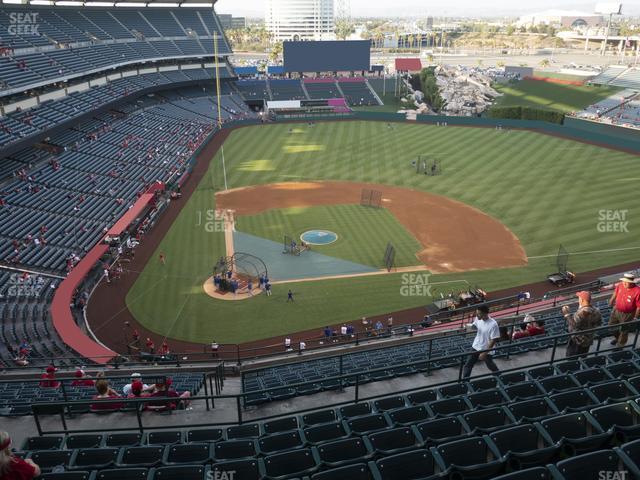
x=236 y=354
x=345 y=380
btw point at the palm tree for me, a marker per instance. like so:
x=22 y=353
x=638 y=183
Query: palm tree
x=379 y=39
x=276 y=51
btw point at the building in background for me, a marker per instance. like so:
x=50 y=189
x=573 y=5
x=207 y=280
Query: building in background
x=429 y=23
x=229 y=22
x=563 y=19
x=300 y=19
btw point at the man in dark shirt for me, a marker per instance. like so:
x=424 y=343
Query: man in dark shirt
x=587 y=317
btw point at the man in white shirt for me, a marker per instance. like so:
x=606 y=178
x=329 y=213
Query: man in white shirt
x=487 y=334
x=127 y=388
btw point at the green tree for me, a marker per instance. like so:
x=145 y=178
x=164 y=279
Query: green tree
x=430 y=88
x=510 y=29
x=276 y=51
x=344 y=29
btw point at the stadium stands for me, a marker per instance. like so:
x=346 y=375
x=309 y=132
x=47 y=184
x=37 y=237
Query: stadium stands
x=321 y=89
x=17 y=398
x=608 y=75
x=630 y=78
x=254 y=89
x=58 y=202
x=278 y=379
x=620 y=109
x=286 y=90
x=21 y=124
x=619 y=77
x=99 y=178
x=402 y=437
x=106 y=145
x=72 y=43
x=357 y=92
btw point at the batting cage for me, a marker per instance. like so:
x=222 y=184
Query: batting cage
x=562 y=260
x=428 y=166
x=243 y=267
x=389 y=259
x=371 y=198
x=292 y=247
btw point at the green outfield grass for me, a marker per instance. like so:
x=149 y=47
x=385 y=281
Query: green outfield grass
x=391 y=103
x=547 y=190
x=558 y=75
x=552 y=96
x=363 y=232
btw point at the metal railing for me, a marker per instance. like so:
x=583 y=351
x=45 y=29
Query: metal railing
x=235 y=353
x=344 y=380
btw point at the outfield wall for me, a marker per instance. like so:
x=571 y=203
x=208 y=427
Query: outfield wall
x=597 y=128
x=608 y=136
x=605 y=135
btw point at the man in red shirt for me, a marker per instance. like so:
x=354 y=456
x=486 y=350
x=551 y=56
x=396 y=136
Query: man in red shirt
x=14 y=468
x=521 y=332
x=163 y=390
x=82 y=380
x=49 y=378
x=535 y=328
x=151 y=347
x=626 y=308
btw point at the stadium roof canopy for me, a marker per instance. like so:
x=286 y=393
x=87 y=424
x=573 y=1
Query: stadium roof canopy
x=115 y=3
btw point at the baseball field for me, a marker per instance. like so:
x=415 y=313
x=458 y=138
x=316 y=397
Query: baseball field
x=494 y=217
x=552 y=96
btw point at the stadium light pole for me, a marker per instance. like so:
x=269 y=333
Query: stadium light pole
x=217 y=70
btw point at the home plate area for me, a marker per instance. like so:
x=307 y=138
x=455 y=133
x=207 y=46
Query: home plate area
x=285 y=268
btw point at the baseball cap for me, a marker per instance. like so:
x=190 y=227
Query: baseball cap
x=51 y=369
x=628 y=277
x=79 y=373
x=584 y=295
x=135 y=375
x=136 y=386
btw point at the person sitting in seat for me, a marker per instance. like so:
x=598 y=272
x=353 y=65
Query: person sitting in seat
x=14 y=468
x=535 y=328
x=49 y=378
x=135 y=377
x=521 y=332
x=163 y=389
x=82 y=379
x=105 y=392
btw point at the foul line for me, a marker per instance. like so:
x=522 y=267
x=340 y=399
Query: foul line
x=229 y=228
x=131 y=301
x=175 y=321
x=419 y=268
x=612 y=250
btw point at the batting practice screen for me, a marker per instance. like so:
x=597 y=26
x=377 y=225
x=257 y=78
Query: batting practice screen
x=327 y=56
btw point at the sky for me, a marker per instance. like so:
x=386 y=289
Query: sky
x=421 y=8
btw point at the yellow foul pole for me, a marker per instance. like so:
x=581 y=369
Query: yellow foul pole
x=219 y=101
